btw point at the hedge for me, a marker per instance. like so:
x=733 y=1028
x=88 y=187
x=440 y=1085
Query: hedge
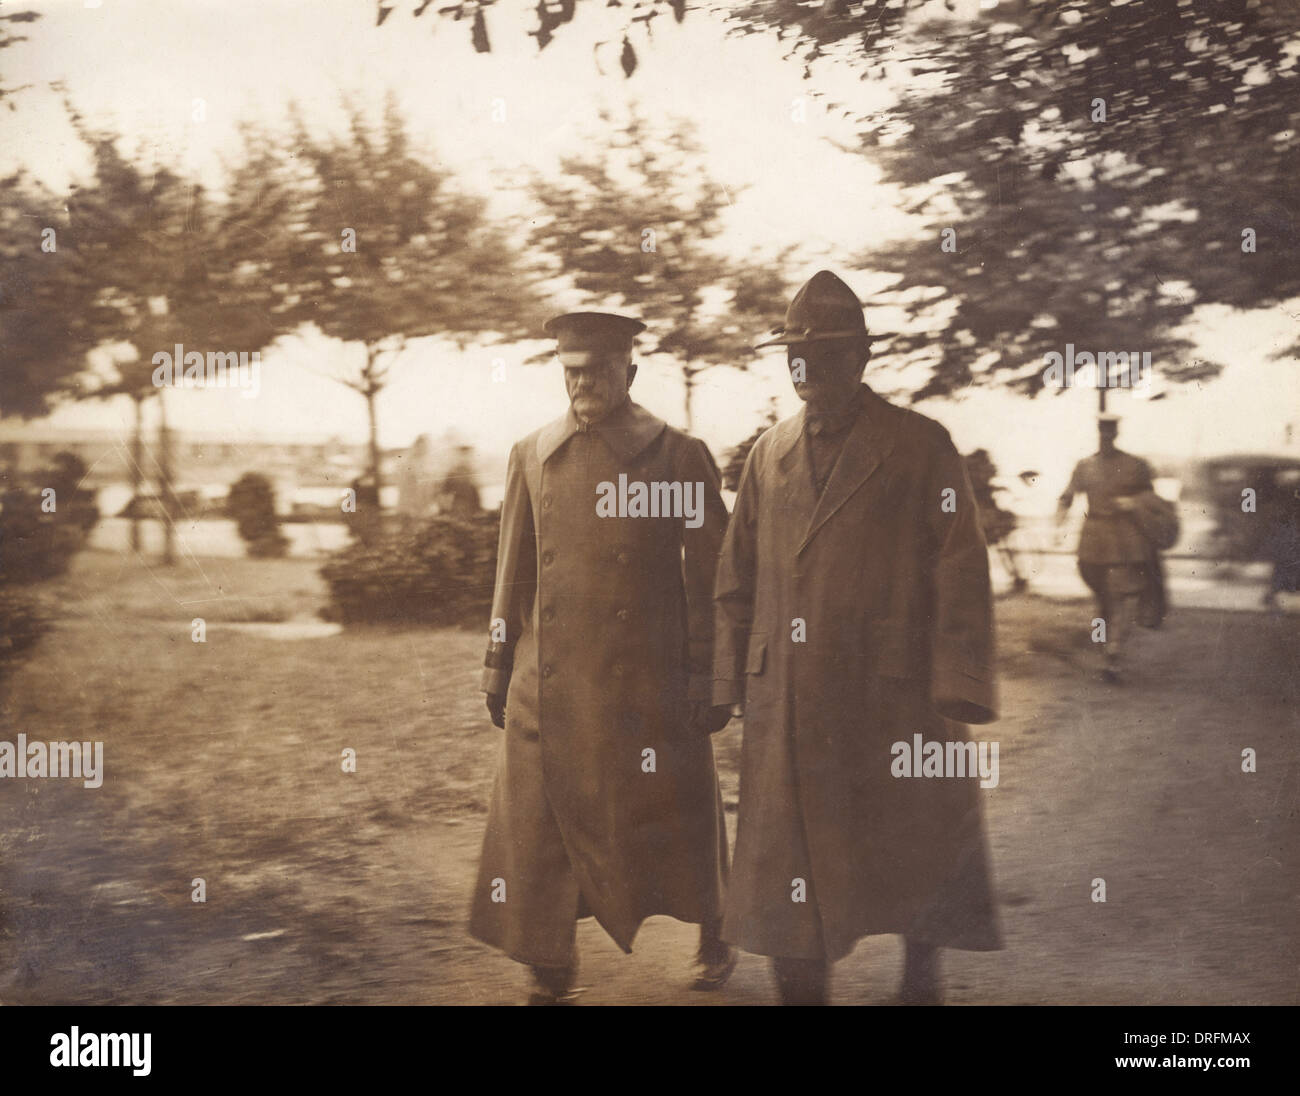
x=436 y=573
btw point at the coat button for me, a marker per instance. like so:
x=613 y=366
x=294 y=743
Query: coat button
x=548 y=614
x=548 y=557
x=622 y=557
x=618 y=669
x=546 y=502
x=624 y=615
x=548 y=670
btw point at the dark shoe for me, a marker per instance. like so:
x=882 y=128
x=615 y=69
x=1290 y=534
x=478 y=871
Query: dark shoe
x=917 y=994
x=553 y=986
x=714 y=972
x=568 y=997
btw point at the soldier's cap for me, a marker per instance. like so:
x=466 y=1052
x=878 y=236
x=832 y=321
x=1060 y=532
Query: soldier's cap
x=823 y=309
x=582 y=337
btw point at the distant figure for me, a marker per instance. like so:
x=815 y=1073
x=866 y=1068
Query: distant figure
x=1279 y=504
x=458 y=493
x=1113 y=553
x=366 y=522
x=416 y=491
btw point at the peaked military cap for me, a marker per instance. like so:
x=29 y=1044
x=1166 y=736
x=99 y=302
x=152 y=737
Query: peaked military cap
x=580 y=336
x=824 y=308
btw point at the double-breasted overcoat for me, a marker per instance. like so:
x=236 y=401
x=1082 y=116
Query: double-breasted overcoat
x=606 y=800
x=849 y=622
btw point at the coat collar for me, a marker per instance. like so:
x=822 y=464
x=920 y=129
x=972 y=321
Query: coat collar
x=870 y=440
x=627 y=432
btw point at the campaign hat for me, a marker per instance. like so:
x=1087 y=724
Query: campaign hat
x=825 y=308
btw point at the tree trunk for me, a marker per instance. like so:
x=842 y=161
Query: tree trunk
x=372 y=390
x=137 y=459
x=687 y=400
x=165 y=492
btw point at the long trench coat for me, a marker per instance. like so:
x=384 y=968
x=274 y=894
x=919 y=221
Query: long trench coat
x=608 y=637
x=847 y=623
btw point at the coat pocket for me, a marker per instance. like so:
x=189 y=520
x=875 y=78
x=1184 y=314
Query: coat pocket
x=756 y=657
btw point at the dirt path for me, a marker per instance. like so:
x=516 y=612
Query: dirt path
x=323 y=888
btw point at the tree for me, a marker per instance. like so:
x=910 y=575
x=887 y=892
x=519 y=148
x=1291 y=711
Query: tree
x=551 y=17
x=140 y=260
x=734 y=463
x=144 y=244
x=9 y=38
x=375 y=247
x=1087 y=159
x=41 y=294
x=640 y=223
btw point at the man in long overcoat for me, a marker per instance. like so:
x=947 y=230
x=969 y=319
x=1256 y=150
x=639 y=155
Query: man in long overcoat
x=854 y=614
x=606 y=801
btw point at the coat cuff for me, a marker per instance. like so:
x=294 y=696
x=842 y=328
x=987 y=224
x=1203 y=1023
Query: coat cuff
x=699 y=687
x=964 y=693
x=495 y=681
x=727 y=692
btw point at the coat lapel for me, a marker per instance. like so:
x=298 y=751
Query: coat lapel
x=798 y=492
x=870 y=440
x=554 y=434
x=628 y=431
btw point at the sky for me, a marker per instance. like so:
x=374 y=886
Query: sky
x=176 y=76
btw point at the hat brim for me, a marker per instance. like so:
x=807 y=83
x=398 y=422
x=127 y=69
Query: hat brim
x=815 y=337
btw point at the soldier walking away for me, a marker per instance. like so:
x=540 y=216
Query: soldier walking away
x=854 y=613
x=606 y=801
x=1114 y=556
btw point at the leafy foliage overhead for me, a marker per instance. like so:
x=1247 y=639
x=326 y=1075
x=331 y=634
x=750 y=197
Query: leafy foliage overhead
x=1099 y=164
x=369 y=240
x=638 y=227
x=550 y=18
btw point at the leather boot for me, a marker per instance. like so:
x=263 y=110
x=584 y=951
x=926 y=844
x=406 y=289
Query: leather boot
x=801 y=981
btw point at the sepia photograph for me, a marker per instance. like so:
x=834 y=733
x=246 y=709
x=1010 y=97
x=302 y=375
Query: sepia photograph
x=649 y=503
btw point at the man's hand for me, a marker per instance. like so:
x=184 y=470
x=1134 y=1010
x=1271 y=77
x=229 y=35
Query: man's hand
x=707 y=718
x=496 y=705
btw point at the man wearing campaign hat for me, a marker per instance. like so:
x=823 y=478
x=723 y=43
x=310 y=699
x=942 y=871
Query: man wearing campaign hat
x=1115 y=559
x=855 y=627
x=606 y=800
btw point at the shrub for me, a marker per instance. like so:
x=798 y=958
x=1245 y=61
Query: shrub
x=22 y=623
x=438 y=572
x=76 y=504
x=251 y=503
x=37 y=542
